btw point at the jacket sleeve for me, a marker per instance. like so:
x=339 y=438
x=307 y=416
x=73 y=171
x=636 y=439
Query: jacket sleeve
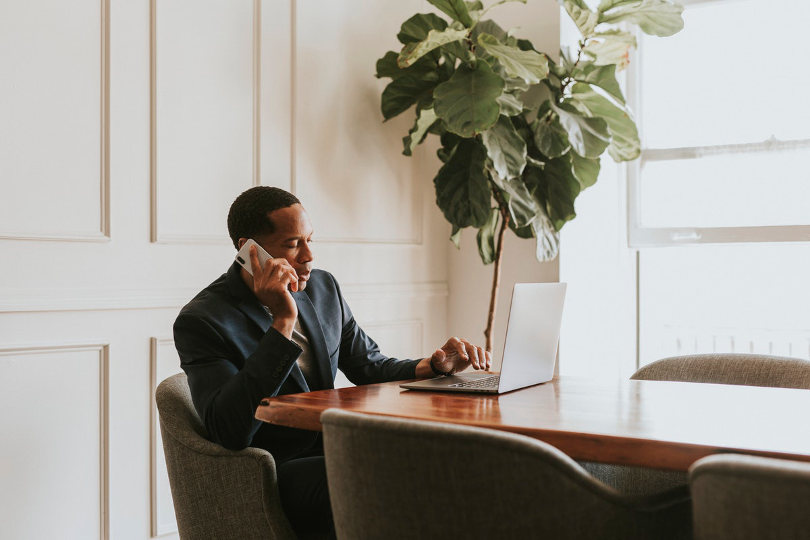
x=225 y=397
x=360 y=357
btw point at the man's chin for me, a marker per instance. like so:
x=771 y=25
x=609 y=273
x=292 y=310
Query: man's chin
x=301 y=285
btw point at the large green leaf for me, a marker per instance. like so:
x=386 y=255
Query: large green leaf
x=548 y=239
x=417 y=27
x=435 y=39
x=449 y=143
x=581 y=14
x=624 y=144
x=486 y=237
x=468 y=101
x=403 y=92
x=462 y=187
x=523 y=207
x=510 y=105
x=584 y=169
x=533 y=98
x=602 y=76
x=522 y=232
x=387 y=66
x=419 y=130
x=488 y=27
x=588 y=136
x=549 y=135
x=505 y=148
x=530 y=66
x=655 y=17
x=455 y=236
x=555 y=188
x=610 y=47
x=457 y=9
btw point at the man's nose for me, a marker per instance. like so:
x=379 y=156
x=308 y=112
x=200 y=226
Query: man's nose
x=306 y=254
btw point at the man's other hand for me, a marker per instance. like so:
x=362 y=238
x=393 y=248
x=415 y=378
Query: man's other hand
x=272 y=284
x=457 y=354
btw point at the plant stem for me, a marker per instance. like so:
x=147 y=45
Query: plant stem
x=496 y=275
x=568 y=77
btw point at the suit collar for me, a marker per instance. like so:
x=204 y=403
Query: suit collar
x=247 y=301
x=250 y=306
x=312 y=326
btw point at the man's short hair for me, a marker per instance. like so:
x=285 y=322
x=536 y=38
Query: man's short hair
x=249 y=215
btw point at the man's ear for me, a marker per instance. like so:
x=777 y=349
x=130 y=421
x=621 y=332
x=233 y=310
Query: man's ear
x=240 y=243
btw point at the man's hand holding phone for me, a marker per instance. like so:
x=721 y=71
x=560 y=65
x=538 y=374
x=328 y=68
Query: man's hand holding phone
x=272 y=284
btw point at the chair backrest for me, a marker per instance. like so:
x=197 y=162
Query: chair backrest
x=737 y=497
x=217 y=493
x=730 y=368
x=395 y=478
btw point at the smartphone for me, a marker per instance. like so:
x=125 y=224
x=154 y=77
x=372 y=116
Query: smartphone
x=243 y=256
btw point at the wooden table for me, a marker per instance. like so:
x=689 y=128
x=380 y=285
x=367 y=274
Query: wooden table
x=665 y=425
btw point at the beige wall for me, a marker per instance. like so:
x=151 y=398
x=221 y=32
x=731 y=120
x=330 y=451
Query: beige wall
x=125 y=136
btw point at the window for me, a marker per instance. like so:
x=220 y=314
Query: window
x=725 y=126
x=719 y=203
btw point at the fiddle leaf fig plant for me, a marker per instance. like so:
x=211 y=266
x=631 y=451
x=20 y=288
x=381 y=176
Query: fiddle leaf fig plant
x=521 y=135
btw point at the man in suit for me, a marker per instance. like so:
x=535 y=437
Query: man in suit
x=286 y=329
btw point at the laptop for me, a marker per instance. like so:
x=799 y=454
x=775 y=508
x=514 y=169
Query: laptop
x=529 y=349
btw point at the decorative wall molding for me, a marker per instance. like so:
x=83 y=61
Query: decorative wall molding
x=417 y=229
x=15 y=301
x=155 y=235
x=417 y=325
x=407 y=290
x=103 y=414
x=156 y=530
x=103 y=232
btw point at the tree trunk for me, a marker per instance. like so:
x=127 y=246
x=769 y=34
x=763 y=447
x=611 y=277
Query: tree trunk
x=496 y=279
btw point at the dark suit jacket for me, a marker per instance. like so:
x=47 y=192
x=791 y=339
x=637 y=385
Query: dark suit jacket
x=234 y=358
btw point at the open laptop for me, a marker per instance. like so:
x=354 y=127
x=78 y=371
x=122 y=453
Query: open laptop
x=529 y=350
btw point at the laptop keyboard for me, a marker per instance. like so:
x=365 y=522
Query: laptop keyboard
x=484 y=382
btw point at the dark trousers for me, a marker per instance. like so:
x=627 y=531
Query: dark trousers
x=305 y=496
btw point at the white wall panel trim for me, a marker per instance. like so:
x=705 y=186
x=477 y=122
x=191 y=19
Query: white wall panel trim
x=207 y=239
x=414 y=324
x=103 y=232
x=103 y=414
x=414 y=237
x=257 y=91
x=293 y=92
x=126 y=299
x=407 y=290
x=94 y=300
x=156 y=531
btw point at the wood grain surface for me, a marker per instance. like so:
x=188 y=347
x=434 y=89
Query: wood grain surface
x=666 y=425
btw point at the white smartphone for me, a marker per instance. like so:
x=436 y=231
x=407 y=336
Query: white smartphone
x=243 y=256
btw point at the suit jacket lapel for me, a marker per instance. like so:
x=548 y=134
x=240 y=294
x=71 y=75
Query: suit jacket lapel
x=312 y=326
x=250 y=306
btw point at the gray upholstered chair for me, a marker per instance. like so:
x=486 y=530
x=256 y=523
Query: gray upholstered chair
x=217 y=493
x=730 y=368
x=739 y=497
x=718 y=368
x=397 y=479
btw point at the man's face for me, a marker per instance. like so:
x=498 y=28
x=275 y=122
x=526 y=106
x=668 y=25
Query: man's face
x=291 y=240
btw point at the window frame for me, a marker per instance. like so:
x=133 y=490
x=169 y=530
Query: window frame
x=639 y=236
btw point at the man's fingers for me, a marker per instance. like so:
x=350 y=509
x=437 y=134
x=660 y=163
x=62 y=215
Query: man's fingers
x=460 y=348
x=472 y=352
x=288 y=278
x=489 y=359
x=482 y=356
x=255 y=265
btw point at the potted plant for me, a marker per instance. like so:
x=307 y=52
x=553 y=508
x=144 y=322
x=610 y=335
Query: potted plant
x=521 y=135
